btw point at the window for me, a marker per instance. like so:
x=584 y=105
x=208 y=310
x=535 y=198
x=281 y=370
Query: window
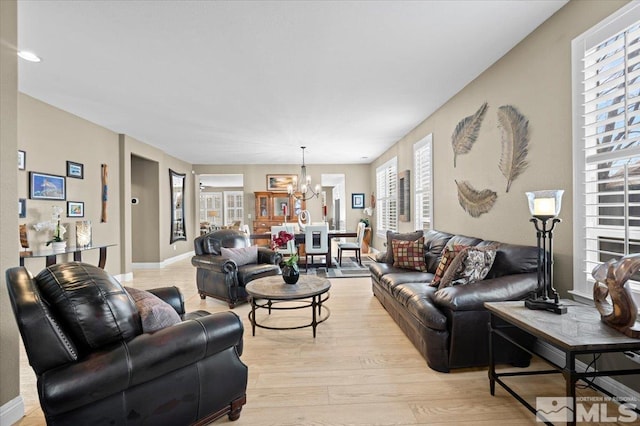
x=606 y=90
x=422 y=160
x=211 y=207
x=233 y=207
x=387 y=198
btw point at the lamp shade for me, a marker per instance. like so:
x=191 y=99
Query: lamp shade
x=545 y=204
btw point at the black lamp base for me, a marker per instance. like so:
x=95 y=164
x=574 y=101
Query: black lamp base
x=546 y=305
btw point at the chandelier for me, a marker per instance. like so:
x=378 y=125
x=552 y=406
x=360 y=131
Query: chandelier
x=303 y=191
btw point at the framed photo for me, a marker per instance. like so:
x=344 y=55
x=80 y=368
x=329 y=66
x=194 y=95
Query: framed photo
x=44 y=186
x=22 y=160
x=75 y=170
x=22 y=207
x=279 y=183
x=357 y=201
x=75 y=209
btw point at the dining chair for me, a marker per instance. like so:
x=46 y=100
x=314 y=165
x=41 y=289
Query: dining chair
x=316 y=242
x=353 y=246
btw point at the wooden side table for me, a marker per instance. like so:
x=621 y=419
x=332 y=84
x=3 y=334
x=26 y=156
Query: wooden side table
x=577 y=332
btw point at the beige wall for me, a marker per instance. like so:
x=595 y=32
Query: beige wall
x=145 y=218
x=255 y=179
x=9 y=366
x=50 y=137
x=535 y=77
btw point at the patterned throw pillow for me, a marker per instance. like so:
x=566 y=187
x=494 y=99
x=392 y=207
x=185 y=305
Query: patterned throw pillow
x=472 y=264
x=449 y=253
x=409 y=254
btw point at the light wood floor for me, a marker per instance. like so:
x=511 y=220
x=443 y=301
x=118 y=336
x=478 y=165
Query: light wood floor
x=360 y=369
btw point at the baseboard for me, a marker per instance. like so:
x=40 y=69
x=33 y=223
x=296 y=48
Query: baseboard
x=124 y=277
x=557 y=356
x=12 y=411
x=164 y=263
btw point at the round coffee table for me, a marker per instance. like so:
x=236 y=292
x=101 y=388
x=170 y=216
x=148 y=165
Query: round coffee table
x=274 y=290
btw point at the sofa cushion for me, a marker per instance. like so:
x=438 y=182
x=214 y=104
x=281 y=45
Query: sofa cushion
x=91 y=303
x=397 y=276
x=513 y=259
x=155 y=313
x=470 y=265
x=240 y=255
x=411 y=236
x=409 y=254
x=449 y=253
x=421 y=306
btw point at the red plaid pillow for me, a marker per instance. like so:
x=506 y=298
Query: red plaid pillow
x=448 y=254
x=409 y=254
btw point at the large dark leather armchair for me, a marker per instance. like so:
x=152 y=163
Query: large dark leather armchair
x=83 y=336
x=222 y=278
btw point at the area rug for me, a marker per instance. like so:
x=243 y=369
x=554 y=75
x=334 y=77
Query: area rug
x=349 y=269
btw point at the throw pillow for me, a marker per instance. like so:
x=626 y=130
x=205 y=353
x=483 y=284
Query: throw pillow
x=409 y=254
x=471 y=265
x=155 y=313
x=449 y=253
x=241 y=255
x=411 y=236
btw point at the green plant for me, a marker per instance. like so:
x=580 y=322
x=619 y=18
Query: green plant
x=366 y=222
x=57 y=234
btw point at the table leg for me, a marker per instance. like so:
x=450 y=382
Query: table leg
x=328 y=258
x=314 y=320
x=492 y=363
x=50 y=260
x=77 y=256
x=569 y=373
x=252 y=316
x=103 y=257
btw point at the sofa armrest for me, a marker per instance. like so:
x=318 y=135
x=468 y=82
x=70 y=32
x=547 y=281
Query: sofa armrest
x=214 y=263
x=269 y=256
x=170 y=295
x=142 y=359
x=471 y=297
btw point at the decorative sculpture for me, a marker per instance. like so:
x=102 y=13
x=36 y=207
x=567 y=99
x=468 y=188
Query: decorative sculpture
x=466 y=132
x=515 y=142
x=611 y=279
x=473 y=201
x=304 y=219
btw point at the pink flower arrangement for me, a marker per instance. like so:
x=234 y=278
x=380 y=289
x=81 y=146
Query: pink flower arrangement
x=281 y=240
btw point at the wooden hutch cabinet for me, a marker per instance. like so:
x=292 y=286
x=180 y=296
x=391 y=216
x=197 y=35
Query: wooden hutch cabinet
x=270 y=210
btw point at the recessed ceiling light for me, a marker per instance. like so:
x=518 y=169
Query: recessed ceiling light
x=29 y=56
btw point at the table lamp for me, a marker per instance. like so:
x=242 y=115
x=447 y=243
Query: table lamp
x=545 y=207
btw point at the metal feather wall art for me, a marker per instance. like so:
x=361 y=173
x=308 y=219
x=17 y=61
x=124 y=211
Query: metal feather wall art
x=515 y=142
x=473 y=201
x=466 y=132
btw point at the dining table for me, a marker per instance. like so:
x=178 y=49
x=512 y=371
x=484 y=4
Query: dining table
x=299 y=237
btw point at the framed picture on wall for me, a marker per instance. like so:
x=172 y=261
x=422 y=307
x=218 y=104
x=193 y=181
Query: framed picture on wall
x=43 y=186
x=279 y=183
x=75 y=170
x=22 y=160
x=357 y=201
x=75 y=209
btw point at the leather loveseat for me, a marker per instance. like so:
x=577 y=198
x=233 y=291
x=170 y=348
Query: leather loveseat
x=449 y=326
x=83 y=335
x=222 y=277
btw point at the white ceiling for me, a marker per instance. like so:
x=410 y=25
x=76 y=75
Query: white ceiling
x=249 y=82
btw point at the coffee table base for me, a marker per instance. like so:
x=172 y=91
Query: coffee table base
x=320 y=313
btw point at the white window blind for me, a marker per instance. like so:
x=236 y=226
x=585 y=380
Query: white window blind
x=233 y=207
x=607 y=151
x=387 y=196
x=423 y=159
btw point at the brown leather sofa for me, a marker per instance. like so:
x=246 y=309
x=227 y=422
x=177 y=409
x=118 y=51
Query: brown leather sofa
x=450 y=326
x=222 y=278
x=94 y=365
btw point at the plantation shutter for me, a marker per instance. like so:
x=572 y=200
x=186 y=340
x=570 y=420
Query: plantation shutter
x=423 y=183
x=386 y=194
x=611 y=148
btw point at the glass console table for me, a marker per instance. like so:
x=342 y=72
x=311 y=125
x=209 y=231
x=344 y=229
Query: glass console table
x=51 y=255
